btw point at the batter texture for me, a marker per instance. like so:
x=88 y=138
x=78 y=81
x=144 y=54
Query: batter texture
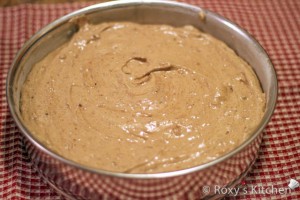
x=135 y=98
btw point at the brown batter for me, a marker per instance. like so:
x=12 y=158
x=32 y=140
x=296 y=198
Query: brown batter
x=142 y=98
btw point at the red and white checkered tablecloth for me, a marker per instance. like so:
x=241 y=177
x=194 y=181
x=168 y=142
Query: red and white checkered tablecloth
x=274 y=23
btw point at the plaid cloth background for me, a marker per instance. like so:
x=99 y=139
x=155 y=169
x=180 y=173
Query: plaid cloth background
x=274 y=23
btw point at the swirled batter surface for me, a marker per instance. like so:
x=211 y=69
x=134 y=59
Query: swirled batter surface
x=138 y=98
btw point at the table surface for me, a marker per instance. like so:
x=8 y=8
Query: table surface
x=274 y=23
x=18 y=2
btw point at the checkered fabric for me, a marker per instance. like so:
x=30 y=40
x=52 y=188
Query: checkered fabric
x=274 y=23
